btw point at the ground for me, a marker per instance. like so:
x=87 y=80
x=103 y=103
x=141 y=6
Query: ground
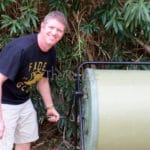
x=51 y=138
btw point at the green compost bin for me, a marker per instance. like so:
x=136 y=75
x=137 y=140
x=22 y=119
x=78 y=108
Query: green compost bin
x=116 y=109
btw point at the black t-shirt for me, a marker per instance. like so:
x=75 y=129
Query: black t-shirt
x=23 y=62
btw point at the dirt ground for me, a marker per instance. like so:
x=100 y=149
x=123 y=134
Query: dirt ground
x=51 y=138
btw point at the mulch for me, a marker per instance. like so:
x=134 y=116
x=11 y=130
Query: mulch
x=49 y=137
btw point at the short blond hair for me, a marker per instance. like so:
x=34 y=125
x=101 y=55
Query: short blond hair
x=56 y=15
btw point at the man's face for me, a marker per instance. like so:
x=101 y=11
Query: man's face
x=53 y=31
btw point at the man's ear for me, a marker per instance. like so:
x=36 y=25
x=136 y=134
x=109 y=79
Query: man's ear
x=42 y=24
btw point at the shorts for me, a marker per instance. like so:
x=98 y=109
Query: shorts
x=20 y=125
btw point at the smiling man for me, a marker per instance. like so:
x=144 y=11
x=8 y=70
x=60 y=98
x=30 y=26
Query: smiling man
x=23 y=63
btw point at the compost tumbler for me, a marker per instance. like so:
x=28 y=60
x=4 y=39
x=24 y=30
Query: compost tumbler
x=116 y=109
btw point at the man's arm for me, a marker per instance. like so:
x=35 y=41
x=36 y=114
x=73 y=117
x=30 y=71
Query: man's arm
x=43 y=88
x=2 y=127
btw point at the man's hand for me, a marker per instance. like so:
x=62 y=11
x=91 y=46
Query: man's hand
x=2 y=128
x=53 y=115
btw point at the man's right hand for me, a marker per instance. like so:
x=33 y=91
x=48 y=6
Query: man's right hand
x=2 y=128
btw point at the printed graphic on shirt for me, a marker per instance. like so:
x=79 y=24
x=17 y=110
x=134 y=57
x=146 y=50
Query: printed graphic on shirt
x=36 y=71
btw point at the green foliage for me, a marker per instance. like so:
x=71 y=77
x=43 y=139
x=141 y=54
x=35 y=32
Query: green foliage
x=111 y=16
x=29 y=17
x=137 y=16
x=38 y=104
x=5 y=3
x=75 y=5
x=89 y=27
x=4 y=41
x=25 y=20
x=58 y=5
x=132 y=18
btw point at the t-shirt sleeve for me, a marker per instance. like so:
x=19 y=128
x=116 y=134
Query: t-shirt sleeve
x=10 y=61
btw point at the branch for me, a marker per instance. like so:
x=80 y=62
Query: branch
x=145 y=46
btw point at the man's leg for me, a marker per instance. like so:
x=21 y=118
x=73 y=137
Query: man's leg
x=27 y=127
x=25 y=146
x=10 y=116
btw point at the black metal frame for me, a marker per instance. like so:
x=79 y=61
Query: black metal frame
x=78 y=93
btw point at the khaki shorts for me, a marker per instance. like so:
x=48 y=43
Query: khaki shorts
x=20 y=125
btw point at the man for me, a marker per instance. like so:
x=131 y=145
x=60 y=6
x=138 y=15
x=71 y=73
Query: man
x=24 y=62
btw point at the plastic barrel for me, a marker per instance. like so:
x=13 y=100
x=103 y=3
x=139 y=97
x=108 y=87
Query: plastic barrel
x=116 y=109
